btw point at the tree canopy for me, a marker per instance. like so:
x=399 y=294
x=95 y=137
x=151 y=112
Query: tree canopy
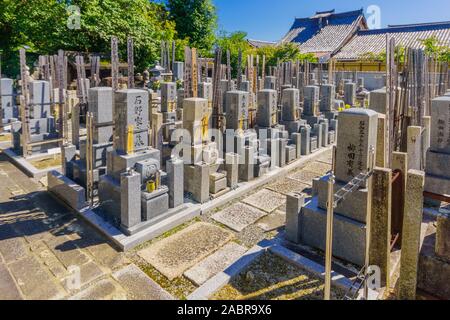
x=195 y=20
x=41 y=25
x=236 y=41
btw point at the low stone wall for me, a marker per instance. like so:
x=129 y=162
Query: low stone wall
x=66 y=190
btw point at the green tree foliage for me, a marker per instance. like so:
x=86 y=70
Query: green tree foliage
x=195 y=20
x=236 y=41
x=284 y=53
x=42 y=26
x=436 y=49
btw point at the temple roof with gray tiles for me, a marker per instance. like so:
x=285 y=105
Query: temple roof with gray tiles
x=326 y=31
x=260 y=43
x=374 y=41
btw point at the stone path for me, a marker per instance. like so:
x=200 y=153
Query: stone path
x=43 y=246
x=259 y=215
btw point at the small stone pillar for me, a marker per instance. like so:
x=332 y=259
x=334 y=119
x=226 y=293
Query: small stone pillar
x=350 y=93
x=311 y=101
x=294 y=204
x=380 y=232
x=443 y=237
x=175 y=182
x=266 y=115
x=412 y=220
x=232 y=169
x=290 y=104
x=327 y=97
x=130 y=199
x=168 y=97
x=414 y=147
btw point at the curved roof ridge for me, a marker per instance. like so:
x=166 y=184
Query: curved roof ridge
x=406 y=28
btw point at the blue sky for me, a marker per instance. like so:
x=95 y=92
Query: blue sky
x=271 y=19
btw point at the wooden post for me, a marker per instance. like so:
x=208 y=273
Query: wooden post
x=24 y=104
x=115 y=63
x=368 y=221
x=130 y=51
x=89 y=157
x=329 y=234
x=1 y=112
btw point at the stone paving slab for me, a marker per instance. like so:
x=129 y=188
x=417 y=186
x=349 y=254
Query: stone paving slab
x=34 y=281
x=288 y=185
x=215 y=263
x=12 y=249
x=66 y=251
x=89 y=272
x=138 y=285
x=103 y=290
x=304 y=176
x=172 y=256
x=266 y=200
x=273 y=221
x=319 y=168
x=238 y=216
x=326 y=158
x=8 y=288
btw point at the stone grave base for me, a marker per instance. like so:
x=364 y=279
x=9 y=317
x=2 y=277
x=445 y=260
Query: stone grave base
x=437 y=185
x=349 y=236
x=434 y=271
x=27 y=167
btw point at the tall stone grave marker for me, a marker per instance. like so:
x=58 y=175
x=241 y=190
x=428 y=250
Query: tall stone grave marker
x=438 y=156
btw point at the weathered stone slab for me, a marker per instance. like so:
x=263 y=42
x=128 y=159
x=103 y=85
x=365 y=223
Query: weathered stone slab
x=138 y=285
x=288 y=185
x=304 y=176
x=238 y=216
x=102 y=290
x=174 y=255
x=215 y=263
x=34 y=281
x=8 y=289
x=12 y=249
x=66 y=251
x=266 y=200
x=273 y=221
x=318 y=168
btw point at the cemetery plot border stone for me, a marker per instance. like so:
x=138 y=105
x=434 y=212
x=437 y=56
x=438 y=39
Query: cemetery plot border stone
x=266 y=200
x=215 y=263
x=139 y=285
x=289 y=185
x=238 y=216
x=304 y=176
x=172 y=256
x=273 y=221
